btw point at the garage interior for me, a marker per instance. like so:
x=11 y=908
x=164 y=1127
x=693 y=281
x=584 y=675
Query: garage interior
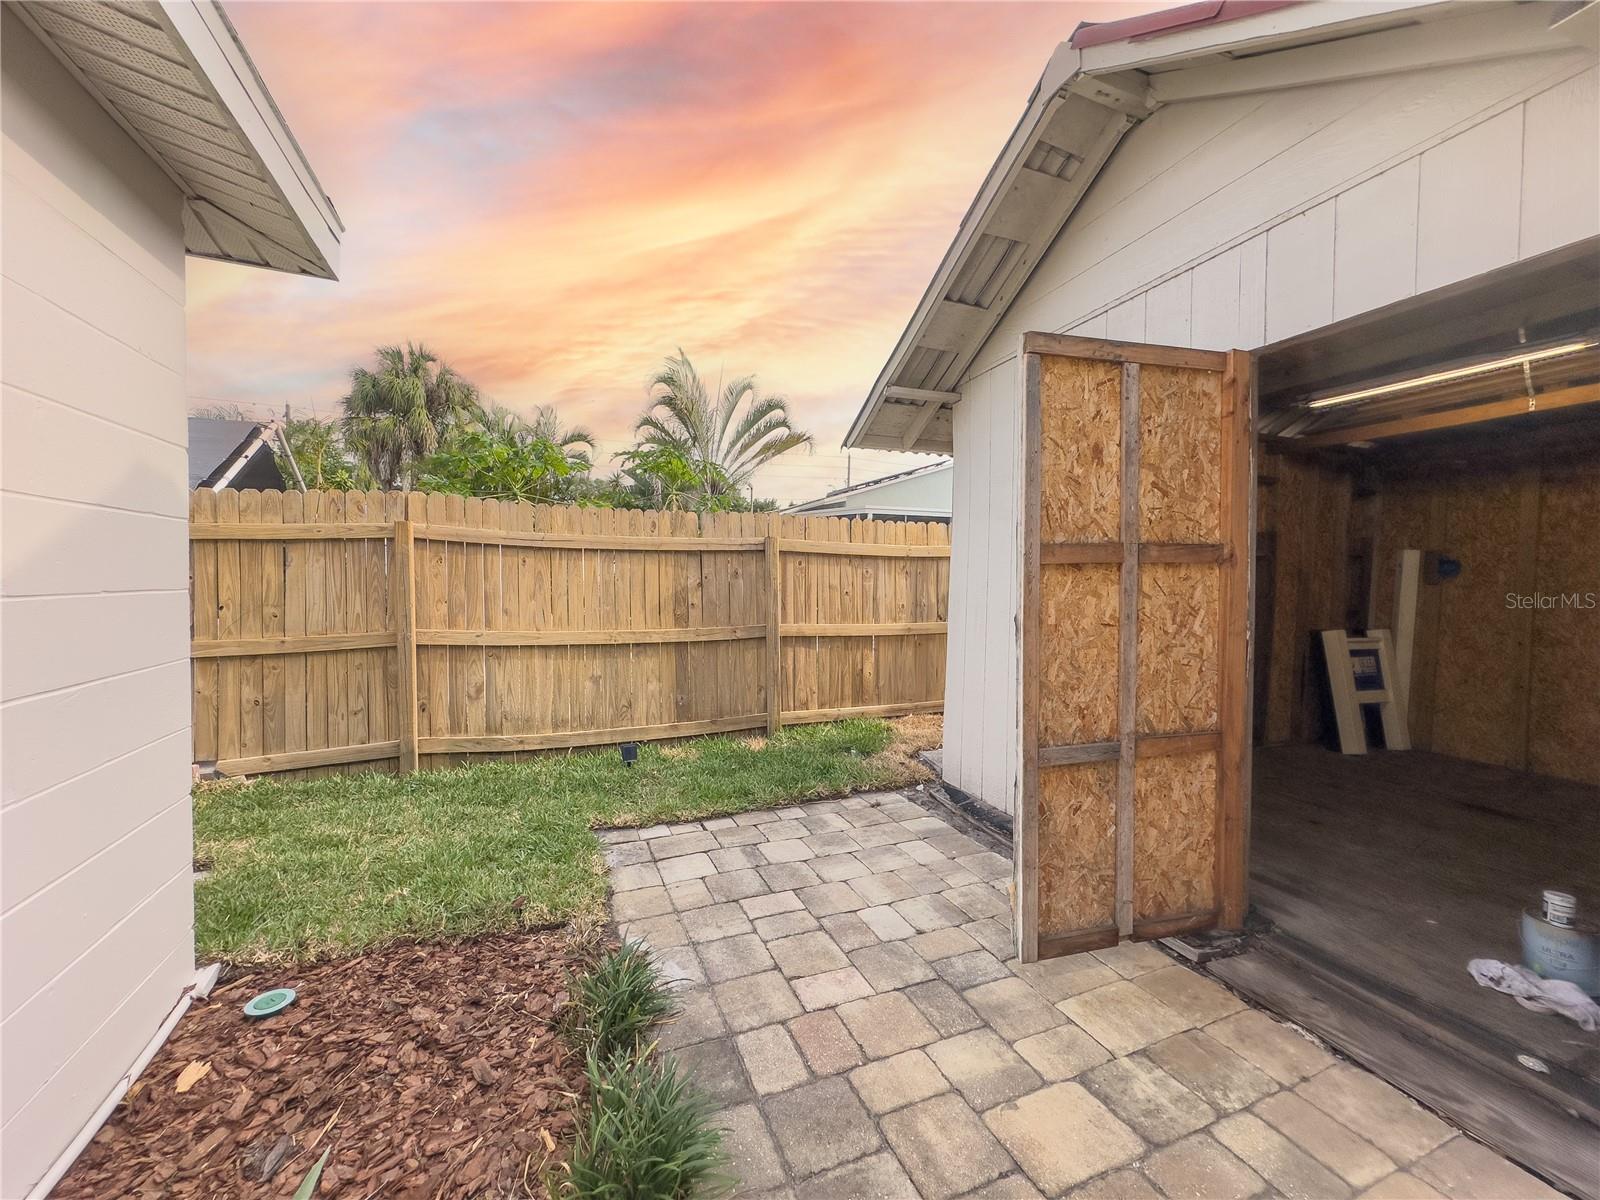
x=1464 y=424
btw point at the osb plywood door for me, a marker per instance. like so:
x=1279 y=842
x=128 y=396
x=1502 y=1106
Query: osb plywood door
x=1136 y=583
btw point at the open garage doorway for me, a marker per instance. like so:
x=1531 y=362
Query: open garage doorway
x=1463 y=426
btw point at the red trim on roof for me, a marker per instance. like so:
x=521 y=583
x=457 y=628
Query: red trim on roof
x=1169 y=20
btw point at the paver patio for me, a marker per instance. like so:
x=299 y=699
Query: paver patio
x=849 y=996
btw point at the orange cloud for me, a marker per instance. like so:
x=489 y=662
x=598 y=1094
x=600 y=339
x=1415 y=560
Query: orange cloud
x=555 y=197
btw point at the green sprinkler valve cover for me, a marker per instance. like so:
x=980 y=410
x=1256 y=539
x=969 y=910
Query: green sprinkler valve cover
x=268 y=1003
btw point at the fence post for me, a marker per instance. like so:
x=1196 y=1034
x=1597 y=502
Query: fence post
x=404 y=581
x=774 y=634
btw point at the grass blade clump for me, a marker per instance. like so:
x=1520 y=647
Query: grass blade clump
x=646 y=1135
x=615 y=1005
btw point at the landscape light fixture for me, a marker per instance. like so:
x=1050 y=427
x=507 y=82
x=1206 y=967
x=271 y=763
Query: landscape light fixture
x=1483 y=368
x=630 y=753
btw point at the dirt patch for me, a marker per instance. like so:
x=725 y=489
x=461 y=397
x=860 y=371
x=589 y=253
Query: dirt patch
x=912 y=735
x=431 y=1071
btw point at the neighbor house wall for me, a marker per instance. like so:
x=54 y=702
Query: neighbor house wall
x=982 y=695
x=924 y=497
x=95 y=843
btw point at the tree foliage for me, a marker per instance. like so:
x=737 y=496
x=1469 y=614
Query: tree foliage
x=399 y=413
x=476 y=462
x=410 y=420
x=324 y=463
x=725 y=438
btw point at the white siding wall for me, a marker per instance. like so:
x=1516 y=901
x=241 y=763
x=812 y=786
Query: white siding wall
x=981 y=689
x=924 y=497
x=1240 y=221
x=1236 y=222
x=95 y=897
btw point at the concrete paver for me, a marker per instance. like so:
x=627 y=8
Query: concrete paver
x=1123 y=1017
x=1466 y=1169
x=1382 y=1114
x=825 y=1042
x=1209 y=1069
x=1289 y=1169
x=820 y=1125
x=771 y=1059
x=1351 y=1157
x=983 y=1068
x=1061 y=1135
x=848 y=994
x=1148 y=1099
x=1202 y=1168
x=892 y=1083
x=944 y=1147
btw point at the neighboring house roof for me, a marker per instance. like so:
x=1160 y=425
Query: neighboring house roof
x=235 y=454
x=876 y=494
x=1094 y=91
x=175 y=76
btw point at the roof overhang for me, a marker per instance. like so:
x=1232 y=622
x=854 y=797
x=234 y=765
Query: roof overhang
x=1072 y=124
x=176 y=77
x=1088 y=100
x=852 y=492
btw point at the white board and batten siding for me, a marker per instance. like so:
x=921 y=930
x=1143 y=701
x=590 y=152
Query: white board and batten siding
x=981 y=749
x=1237 y=221
x=96 y=906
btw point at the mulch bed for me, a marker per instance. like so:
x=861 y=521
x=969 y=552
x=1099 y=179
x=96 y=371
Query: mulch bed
x=433 y=1071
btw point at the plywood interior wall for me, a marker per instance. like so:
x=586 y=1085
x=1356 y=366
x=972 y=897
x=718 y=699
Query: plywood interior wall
x=1307 y=506
x=1493 y=681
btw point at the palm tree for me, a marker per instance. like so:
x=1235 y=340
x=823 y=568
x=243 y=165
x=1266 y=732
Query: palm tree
x=512 y=428
x=397 y=414
x=727 y=444
x=576 y=440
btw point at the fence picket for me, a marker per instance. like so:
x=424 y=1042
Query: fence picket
x=383 y=631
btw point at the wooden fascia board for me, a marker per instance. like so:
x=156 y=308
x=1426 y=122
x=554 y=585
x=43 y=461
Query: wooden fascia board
x=208 y=47
x=965 y=328
x=1116 y=128
x=1472 y=37
x=1338 y=18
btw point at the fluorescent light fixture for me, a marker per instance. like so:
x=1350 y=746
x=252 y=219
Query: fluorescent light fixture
x=1483 y=368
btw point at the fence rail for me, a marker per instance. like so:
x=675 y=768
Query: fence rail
x=354 y=631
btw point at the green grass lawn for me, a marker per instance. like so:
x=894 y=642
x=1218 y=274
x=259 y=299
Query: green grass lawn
x=305 y=870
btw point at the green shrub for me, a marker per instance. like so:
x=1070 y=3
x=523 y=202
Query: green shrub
x=645 y=1135
x=615 y=1004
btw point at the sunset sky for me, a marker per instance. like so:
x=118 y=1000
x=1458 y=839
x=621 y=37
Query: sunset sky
x=555 y=197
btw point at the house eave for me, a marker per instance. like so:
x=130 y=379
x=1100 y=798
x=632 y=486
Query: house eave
x=1125 y=81
x=178 y=80
x=1072 y=124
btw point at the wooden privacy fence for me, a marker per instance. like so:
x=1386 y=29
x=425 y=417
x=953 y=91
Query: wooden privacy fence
x=340 y=628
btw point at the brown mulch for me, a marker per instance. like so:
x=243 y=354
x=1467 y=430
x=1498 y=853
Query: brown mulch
x=433 y=1071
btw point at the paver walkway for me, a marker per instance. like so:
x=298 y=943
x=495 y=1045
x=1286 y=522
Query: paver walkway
x=850 y=997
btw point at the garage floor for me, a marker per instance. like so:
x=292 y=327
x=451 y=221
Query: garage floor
x=1383 y=876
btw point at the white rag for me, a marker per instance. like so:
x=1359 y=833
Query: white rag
x=1539 y=994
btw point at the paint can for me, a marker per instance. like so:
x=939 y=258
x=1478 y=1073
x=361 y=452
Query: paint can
x=1558 y=945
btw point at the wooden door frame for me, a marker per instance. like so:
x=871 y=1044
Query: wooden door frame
x=1237 y=609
